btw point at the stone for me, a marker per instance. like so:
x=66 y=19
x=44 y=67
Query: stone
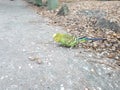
x=107 y=24
x=64 y=10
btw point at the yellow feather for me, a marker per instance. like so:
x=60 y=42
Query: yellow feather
x=57 y=37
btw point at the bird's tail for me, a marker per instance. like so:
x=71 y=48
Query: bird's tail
x=95 y=39
x=84 y=39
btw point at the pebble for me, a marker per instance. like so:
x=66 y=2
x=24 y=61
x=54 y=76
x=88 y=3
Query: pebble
x=62 y=87
x=35 y=58
x=111 y=55
x=32 y=58
x=39 y=61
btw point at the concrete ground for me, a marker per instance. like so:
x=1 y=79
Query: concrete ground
x=24 y=35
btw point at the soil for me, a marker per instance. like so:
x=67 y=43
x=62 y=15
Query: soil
x=95 y=19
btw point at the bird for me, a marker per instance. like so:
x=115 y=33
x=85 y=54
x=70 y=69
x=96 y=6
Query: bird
x=68 y=40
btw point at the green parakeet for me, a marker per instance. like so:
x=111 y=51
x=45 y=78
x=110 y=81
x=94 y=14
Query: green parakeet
x=71 y=41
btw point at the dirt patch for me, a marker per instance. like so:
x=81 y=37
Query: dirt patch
x=91 y=19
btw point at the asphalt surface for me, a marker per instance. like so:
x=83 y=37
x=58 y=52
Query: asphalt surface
x=26 y=36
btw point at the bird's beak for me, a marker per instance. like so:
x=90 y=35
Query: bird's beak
x=54 y=35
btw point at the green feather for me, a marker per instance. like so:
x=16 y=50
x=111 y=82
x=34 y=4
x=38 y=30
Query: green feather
x=66 y=39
